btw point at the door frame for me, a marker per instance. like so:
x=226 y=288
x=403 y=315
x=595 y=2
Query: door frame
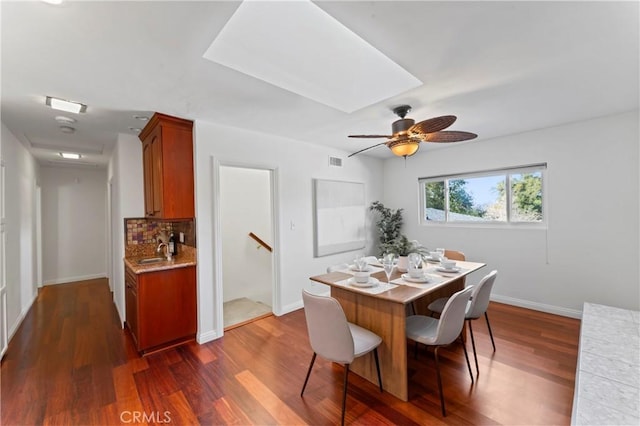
x=217 y=237
x=39 y=236
x=4 y=331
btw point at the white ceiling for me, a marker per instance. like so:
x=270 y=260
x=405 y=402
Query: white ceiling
x=500 y=67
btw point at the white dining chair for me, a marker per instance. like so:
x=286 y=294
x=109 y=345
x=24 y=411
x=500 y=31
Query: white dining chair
x=372 y=259
x=476 y=307
x=338 y=267
x=442 y=332
x=335 y=339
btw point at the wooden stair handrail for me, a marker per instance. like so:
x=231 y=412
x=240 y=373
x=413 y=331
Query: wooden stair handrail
x=259 y=241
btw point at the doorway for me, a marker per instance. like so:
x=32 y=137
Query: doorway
x=246 y=219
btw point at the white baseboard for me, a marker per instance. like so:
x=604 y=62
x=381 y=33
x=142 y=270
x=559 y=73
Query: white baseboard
x=208 y=336
x=20 y=318
x=289 y=308
x=551 y=309
x=73 y=279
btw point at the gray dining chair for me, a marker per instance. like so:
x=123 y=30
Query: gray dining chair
x=442 y=332
x=335 y=339
x=372 y=259
x=338 y=267
x=476 y=307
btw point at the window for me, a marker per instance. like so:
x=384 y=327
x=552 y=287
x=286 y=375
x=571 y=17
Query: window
x=512 y=195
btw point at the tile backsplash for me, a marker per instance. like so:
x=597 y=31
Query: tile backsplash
x=143 y=231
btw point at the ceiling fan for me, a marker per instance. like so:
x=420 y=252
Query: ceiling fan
x=407 y=134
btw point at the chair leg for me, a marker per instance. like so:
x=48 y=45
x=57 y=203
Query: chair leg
x=344 y=392
x=466 y=357
x=435 y=352
x=375 y=355
x=313 y=359
x=473 y=345
x=490 y=333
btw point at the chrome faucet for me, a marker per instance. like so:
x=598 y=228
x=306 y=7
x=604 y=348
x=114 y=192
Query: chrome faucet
x=167 y=253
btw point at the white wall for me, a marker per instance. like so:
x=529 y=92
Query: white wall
x=127 y=200
x=592 y=194
x=296 y=164
x=73 y=224
x=21 y=177
x=246 y=207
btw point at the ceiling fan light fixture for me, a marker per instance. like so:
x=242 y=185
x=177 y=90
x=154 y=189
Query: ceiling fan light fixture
x=63 y=105
x=404 y=147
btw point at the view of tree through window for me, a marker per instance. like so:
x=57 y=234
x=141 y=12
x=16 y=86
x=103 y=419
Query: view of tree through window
x=483 y=198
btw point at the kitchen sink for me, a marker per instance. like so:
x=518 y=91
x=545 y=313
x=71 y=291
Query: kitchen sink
x=151 y=260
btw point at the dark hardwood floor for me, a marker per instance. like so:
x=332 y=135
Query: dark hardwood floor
x=71 y=364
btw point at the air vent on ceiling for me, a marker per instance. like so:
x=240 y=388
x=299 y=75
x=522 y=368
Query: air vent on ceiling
x=335 y=161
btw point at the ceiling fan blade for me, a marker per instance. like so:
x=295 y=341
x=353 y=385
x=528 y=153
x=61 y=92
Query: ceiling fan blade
x=432 y=125
x=448 y=136
x=369 y=136
x=362 y=150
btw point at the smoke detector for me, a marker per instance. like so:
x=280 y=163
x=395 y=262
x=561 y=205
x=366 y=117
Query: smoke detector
x=65 y=120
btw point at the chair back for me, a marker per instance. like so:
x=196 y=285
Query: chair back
x=338 y=267
x=454 y=255
x=481 y=295
x=452 y=317
x=329 y=332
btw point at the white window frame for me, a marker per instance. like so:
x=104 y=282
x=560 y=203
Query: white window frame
x=507 y=171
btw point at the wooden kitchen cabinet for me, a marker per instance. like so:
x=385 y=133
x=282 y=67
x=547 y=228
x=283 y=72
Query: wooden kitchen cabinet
x=131 y=302
x=161 y=307
x=167 y=160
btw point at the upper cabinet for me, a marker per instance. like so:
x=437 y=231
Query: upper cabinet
x=167 y=156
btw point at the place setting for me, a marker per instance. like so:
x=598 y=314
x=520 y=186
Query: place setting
x=362 y=264
x=416 y=275
x=447 y=266
x=434 y=256
x=362 y=278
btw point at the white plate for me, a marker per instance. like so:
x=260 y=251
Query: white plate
x=354 y=268
x=432 y=259
x=452 y=270
x=423 y=279
x=371 y=283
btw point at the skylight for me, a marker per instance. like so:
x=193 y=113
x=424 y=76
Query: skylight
x=297 y=46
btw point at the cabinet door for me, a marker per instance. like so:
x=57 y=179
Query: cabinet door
x=131 y=302
x=167 y=306
x=157 y=178
x=147 y=161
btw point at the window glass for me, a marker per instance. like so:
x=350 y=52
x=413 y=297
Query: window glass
x=434 y=201
x=526 y=197
x=477 y=199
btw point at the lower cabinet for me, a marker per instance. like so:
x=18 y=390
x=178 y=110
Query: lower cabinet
x=161 y=307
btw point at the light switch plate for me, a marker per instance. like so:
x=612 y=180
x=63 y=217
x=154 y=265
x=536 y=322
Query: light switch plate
x=182 y=237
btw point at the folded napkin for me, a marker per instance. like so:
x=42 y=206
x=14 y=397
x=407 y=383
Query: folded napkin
x=380 y=288
x=433 y=280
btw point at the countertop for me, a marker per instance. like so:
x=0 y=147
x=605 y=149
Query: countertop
x=607 y=390
x=181 y=261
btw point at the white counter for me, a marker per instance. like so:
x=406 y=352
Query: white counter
x=607 y=390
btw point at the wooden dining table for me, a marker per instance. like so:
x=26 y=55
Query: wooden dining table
x=385 y=312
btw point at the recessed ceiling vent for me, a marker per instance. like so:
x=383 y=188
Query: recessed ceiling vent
x=335 y=161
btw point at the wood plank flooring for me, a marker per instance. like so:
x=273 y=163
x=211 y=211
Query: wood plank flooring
x=71 y=364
